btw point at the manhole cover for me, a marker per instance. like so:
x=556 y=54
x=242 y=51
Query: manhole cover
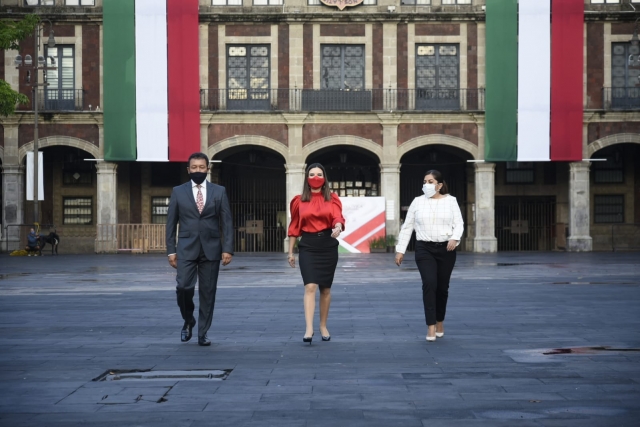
x=149 y=375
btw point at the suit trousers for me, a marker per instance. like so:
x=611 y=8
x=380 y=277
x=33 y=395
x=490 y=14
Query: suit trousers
x=435 y=264
x=206 y=272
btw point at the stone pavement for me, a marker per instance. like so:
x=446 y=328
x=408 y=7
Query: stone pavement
x=67 y=320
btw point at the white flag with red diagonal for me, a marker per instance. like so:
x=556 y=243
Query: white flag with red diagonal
x=365 y=220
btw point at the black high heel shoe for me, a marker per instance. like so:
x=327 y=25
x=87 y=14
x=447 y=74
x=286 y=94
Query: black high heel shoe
x=308 y=339
x=327 y=338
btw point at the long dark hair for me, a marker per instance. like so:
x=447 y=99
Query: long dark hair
x=306 y=189
x=438 y=177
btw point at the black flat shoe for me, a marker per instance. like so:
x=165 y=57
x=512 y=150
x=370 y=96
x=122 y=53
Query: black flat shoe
x=308 y=339
x=327 y=338
x=204 y=341
x=186 y=333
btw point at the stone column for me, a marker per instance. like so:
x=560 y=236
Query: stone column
x=12 y=205
x=579 y=219
x=295 y=178
x=390 y=189
x=107 y=213
x=485 y=238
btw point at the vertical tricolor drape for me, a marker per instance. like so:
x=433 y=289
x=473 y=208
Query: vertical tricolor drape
x=151 y=80
x=534 y=80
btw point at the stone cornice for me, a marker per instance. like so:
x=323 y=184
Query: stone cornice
x=46 y=118
x=610 y=116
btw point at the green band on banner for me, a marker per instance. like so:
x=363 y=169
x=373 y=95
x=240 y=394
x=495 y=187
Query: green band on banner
x=119 y=71
x=501 y=100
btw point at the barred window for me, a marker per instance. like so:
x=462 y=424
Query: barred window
x=248 y=77
x=608 y=209
x=610 y=171
x=519 y=173
x=342 y=67
x=456 y=1
x=226 y=2
x=77 y=210
x=159 y=210
x=268 y=2
x=39 y=2
x=80 y=2
x=416 y=2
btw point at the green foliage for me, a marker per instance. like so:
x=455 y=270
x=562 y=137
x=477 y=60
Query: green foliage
x=378 y=243
x=391 y=240
x=9 y=98
x=11 y=32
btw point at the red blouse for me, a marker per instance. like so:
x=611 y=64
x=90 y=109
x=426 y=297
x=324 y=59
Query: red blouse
x=315 y=215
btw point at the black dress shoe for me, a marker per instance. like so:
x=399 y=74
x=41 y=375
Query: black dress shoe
x=187 y=329
x=204 y=341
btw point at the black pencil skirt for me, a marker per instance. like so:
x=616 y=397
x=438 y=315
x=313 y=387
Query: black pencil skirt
x=318 y=258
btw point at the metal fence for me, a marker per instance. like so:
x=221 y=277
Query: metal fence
x=342 y=100
x=16 y=234
x=621 y=98
x=135 y=238
x=58 y=100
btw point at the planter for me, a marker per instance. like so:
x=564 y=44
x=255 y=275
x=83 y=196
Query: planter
x=378 y=250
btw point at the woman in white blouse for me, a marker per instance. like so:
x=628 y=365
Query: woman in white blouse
x=438 y=224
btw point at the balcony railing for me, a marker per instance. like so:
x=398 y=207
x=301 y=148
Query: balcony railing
x=58 y=100
x=621 y=98
x=342 y=100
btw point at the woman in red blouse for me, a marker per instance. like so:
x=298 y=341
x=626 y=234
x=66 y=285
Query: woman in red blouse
x=316 y=216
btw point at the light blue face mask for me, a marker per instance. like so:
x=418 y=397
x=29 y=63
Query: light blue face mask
x=429 y=190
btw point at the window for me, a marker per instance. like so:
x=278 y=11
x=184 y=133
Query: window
x=437 y=77
x=625 y=92
x=226 y=2
x=159 y=210
x=248 y=74
x=456 y=2
x=80 y=2
x=364 y=3
x=342 y=67
x=77 y=210
x=611 y=1
x=417 y=2
x=60 y=91
x=608 y=209
x=519 y=173
x=268 y=2
x=610 y=171
x=39 y=2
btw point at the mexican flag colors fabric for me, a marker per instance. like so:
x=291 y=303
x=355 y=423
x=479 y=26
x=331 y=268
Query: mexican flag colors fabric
x=534 y=73
x=151 y=80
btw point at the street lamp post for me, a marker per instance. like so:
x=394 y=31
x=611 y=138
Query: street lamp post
x=38 y=63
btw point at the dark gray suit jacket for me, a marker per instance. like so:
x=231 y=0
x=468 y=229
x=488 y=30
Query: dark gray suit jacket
x=212 y=230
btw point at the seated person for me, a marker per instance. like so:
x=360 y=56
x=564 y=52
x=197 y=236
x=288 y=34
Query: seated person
x=33 y=241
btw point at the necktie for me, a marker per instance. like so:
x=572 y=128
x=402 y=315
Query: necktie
x=200 y=200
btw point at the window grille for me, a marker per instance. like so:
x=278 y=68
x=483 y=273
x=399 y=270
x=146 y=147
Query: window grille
x=77 y=210
x=608 y=209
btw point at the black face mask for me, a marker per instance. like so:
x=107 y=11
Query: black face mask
x=198 y=177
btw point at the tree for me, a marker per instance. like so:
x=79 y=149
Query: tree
x=11 y=32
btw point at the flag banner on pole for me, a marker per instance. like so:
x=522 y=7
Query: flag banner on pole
x=534 y=80
x=151 y=83
x=30 y=176
x=365 y=220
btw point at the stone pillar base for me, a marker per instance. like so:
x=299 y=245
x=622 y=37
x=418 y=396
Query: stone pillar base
x=579 y=244
x=106 y=246
x=485 y=244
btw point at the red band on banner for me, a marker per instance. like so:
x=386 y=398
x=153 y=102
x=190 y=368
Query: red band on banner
x=184 y=78
x=566 y=79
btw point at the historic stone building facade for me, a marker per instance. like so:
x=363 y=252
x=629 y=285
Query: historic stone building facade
x=379 y=93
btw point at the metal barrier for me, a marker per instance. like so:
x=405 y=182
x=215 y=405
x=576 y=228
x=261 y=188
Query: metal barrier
x=16 y=235
x=134 y=238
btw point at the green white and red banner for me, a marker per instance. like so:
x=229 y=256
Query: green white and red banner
x=365 y=220
x=151 y=80
x=534 y=69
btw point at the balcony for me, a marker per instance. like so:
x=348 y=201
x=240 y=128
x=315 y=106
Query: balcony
x=58 y=100
x=293 y=100
x=621 y=99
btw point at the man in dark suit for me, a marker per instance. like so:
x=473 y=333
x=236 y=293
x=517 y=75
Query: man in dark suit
x=205 y=237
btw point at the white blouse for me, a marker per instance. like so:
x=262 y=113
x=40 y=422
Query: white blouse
x=434 y=220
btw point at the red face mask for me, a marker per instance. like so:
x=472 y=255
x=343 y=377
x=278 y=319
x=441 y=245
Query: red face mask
x=315 y=182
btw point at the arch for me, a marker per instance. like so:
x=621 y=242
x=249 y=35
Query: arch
x=2 y=154
x=620 y=138
x=354 y=141
x=67 y=141
x=451 y=141
x=261 y=141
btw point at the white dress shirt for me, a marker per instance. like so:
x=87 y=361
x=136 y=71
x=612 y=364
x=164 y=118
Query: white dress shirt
x=203 y=189
x=434 y=220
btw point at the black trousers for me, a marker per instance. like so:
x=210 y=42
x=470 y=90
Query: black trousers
x=207 y=274
x=435 y=264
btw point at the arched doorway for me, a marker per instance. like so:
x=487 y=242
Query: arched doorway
x=450 y=161
x=255 y=181
x=615 y=197
x=352 y=171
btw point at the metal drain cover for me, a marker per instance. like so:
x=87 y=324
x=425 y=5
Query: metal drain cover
x=149 y=375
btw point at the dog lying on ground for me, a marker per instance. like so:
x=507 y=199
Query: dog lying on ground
x=53 y=239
